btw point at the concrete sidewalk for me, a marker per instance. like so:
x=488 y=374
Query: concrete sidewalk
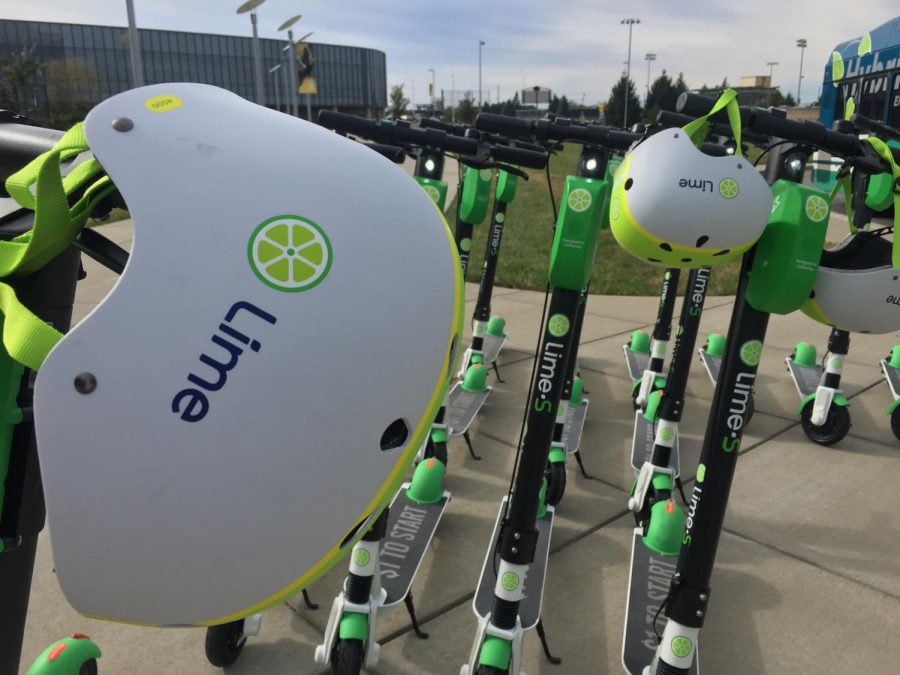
x=807 y=577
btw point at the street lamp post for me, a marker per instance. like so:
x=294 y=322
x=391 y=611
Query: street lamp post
x=802 y=44
x=453 y=89
x=630 y=23
x=649 y=58
x=291 y=102
x=134 y=44
x=273 y=71
x=250 y=6
x=480 y=45
x=771 y=65
x=431 y=70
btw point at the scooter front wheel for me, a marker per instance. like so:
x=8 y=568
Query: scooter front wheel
x=556 y=483
x=836 y=426
x=348 y=657
x=88 y=668
x=489 y=670
x=224 y=643
x=895 y=422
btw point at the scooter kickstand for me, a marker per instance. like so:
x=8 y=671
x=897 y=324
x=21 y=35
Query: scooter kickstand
x=584 y=473
x=497 y=373
x=408 y=601
x=555 y=660
x=680 y=487
x=471 y=449
x=309 y=603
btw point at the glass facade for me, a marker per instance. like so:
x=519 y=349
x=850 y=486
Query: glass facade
x=91 y=63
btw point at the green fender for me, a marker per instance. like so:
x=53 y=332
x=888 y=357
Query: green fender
x=495 y=652
x=666 y=527
x=893 y=406
x=640 y=342
x=805 y=354
x=496 y=326
x=354 y=626
x=839 y=399
x=651 y=410
x=577 y=396
x=894 y=361
x=715 y=344
x=475 y=379
x=658 y=383
x=426 y=486
x=557 y=455
x=65 y=657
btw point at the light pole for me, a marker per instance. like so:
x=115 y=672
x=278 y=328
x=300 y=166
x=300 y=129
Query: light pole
x=802 y=44
x=630 y=23
x=771 y=65
x=250 y=6
x=649 y=58
x=480 y=45
x=273 y=71
x=291 y=102
x=412 y=95
x=134 y=44
x=453 y=89
x=431 y=70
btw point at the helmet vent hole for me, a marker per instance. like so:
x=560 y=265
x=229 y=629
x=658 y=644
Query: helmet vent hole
x=654 y=259
x=895 y=278
x=629 y=183
x=724 y=251
x=666 y=247
x=395 y=435
x=740 y=166
x=685 y=260
x=812 y=294
x=674 y=135
x=701 y=240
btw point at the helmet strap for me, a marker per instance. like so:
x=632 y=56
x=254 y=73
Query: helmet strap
x=699 y=129
x=882 y=150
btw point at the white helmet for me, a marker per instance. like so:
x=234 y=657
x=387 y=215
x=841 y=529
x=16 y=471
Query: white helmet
x=229 y=419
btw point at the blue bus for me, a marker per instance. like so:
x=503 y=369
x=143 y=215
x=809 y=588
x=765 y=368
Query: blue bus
x=866 y=69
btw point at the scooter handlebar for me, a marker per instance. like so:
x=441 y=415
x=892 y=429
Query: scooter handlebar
x=508 y=126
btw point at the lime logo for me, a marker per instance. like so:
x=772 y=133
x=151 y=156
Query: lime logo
x=289 y=253
x=837 y=67
x=432 y=192
x=579 y=200
x=751 y=352
x=614 y=209
x=728 y=188
x=163 y=103
x=836 y=363
x=510 y=581
x=816 y=208
x=558 y=325
x=500 y=218
x=681 y=646
x=486 y=174
x=865 y=45
x=666 y=433
x=701 y=473
x=465 y=245
x=361 y=557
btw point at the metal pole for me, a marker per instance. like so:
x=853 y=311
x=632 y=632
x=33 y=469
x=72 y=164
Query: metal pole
x=257 y=61
x=292 y=61
x=630 y=23
x=433 y=91
x=453 y=89
x=650 y=59
x=480 y=45
x=802 y=44
x=274 y=71
x=134 y=43
x=309 y=108
x=287 y=89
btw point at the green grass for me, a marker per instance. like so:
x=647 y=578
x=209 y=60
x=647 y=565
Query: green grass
x=528 y=233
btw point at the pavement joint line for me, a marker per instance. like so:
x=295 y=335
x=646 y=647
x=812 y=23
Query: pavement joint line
x=448 y=607
x=812 y=563
x=591 y=530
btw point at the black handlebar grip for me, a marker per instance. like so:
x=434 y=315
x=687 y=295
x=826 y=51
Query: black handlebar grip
x=348 y=124
x=21 y=143
x=694 y=104
x=714 y=149
x=519 y=156
x=434 y=123
x=460 y=145
x=392 y=152
x=501 y=124
x=874 y=126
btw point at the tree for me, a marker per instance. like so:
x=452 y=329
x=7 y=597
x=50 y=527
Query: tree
x=73 y=88
x=564 y=108
x=779 y=100
x=466 y=110
x=16 y=71
x=398 y=101
x=615 y=106
x=663 y=95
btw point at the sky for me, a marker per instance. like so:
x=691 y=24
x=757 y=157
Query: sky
x=575 y=47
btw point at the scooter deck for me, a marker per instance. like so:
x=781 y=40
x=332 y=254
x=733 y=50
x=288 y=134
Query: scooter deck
x=463 y=407
x=713 y=364
x=530 y=607
x=637 y=362
x=648 y=586
x=491 y=346
x=642 y=445
x=410 y=528
x=806 y=378
x=575 y=415
x=892 y=375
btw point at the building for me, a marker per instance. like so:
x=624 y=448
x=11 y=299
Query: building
x=753 y=90
x=82 y=65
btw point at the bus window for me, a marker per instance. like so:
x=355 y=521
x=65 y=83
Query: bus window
x=894 y=106
x=871 y=101
x=846 y=89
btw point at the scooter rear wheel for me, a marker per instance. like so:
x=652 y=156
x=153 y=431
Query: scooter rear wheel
x=556 y=483
x=88 y=668
x=836 y=426
x=895 y=422
x=224 y=643
x=490 y=670
x=347 y=657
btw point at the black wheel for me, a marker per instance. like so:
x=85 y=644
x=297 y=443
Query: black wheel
x=634 y=394
x=895 y=422
x=224 y=643
x=347 y=657
x=489 y=670
x=556 y=483
x=88 y=668
x=836 y=426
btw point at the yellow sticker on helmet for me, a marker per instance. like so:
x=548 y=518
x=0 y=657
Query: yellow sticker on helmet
x=163 y=103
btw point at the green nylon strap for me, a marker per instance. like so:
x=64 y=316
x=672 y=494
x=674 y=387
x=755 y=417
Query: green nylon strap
x=700 y=127
x=843 y=183
x=56 y=224
x=882 y=150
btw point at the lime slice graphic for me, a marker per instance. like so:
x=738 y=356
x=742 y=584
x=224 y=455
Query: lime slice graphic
x=728 y=188
x=837 y=67
x=701 y=473
x=849 y=108
x=432 y=192
x=486 y=174
x=865 y=45
x=362 y=557
x=666 y=434
x=289 y=253
x=558 y=325
x=816 y=208
x=510 y=581
x=579 y=200
x=681 y=646
x=614 y=209
x=465 y=245
x=751 y=352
